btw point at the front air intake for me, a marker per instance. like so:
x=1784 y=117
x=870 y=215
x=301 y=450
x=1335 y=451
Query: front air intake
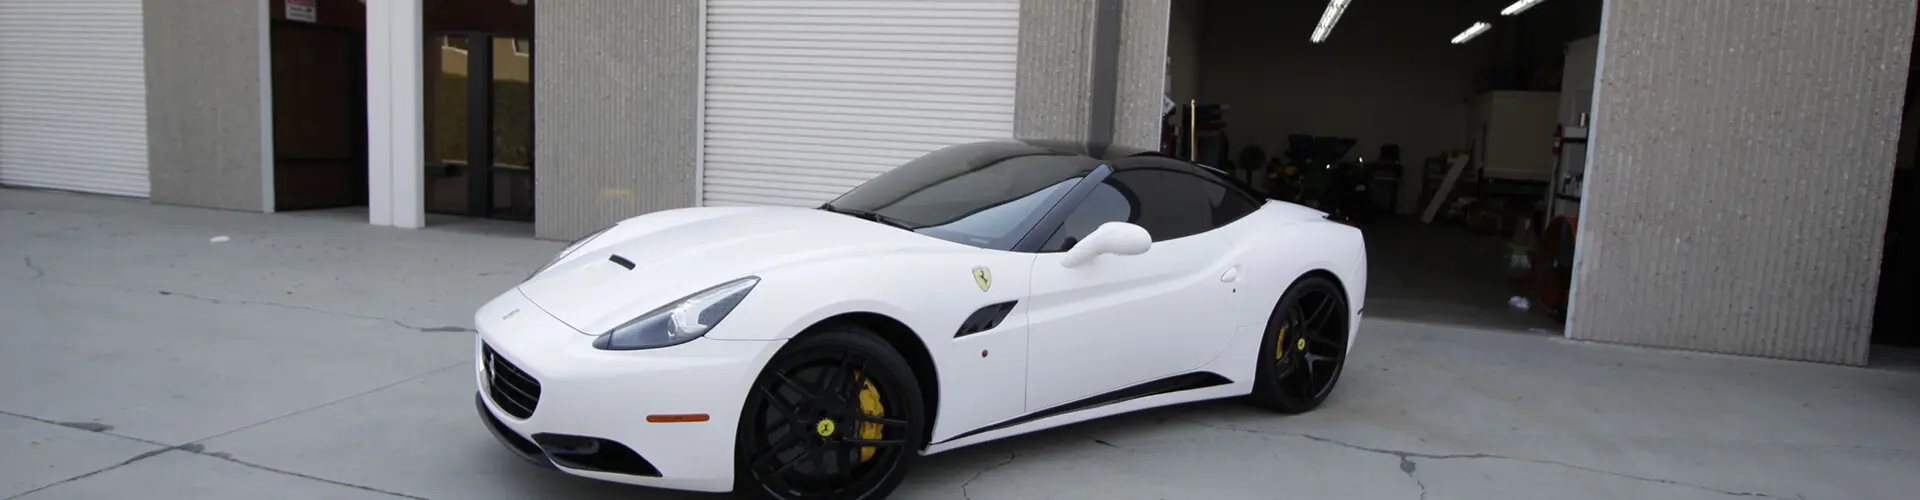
x=512 y=389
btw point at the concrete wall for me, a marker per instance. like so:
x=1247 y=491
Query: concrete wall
x=617 y=97
x=1738 y=182
x=1386 y=74
x=1056 y=71
x=1143 y=72
x=204 y=115
x=1183 y=49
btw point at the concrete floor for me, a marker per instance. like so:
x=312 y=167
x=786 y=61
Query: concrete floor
x=313 y=356
x=1441 y=273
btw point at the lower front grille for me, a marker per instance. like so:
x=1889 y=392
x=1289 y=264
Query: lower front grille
x=516 y=392
x=594 y=454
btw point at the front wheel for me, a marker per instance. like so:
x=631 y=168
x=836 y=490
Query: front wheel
x=837 y=415
x=1304 y=349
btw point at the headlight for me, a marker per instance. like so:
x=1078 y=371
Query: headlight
x=564 y=252
x=679 y=322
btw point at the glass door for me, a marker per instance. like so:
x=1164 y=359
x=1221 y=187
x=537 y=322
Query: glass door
x=479 y=125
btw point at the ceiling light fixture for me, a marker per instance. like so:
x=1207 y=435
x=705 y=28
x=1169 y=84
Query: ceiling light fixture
x=1328 y=19
x=1472 y=31
x=1519 y=6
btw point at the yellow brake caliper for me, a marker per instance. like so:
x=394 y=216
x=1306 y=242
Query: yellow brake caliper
x=1280 y=345
x=870 y=405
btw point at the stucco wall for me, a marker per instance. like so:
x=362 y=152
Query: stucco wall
x=616 y=99
x=1737 y=187
x=1056 y=70
x=1142 y=74
x=203 y=102
x=1183 y=49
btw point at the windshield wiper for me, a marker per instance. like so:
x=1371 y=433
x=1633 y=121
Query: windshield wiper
x=869 y=215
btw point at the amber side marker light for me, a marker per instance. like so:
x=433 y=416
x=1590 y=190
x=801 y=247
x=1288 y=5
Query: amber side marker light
x=667 y=419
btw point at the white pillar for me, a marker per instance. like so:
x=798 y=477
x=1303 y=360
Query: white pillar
x=409 y=139
x=396 y=170
x=379 y=121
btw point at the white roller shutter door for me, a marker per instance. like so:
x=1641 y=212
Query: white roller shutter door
x=73 y=96
x=806 y=99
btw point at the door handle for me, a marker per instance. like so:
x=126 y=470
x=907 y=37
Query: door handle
x=1232 y=274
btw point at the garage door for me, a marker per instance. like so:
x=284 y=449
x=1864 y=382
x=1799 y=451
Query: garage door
x=806 y=99
x=73 y=105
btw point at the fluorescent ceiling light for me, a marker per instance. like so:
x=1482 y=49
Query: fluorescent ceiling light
x=1519 y=6
x=1328 y=19
x=1472 y=31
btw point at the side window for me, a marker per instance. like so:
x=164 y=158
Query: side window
x=1171 y=204
x=1168 y=204
x=1226 y=204
x=1106 y=203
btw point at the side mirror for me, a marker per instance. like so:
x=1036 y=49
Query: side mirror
x=1112 y=238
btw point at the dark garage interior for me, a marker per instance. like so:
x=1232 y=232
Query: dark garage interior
x=1396 y=96
x=1368 y=122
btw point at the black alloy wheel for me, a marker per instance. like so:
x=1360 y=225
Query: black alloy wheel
x=837 y=414
x=1304 y=349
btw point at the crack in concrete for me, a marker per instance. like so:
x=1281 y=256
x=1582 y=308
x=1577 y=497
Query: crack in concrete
x=197 y=449
x=229 y=458
x=336 y=401
x=106 y=430
x=976 y=475
x=1407 y=465
x=41 y=273
x=37 y=271
x=86 y=426
x=190 y=448
x=402 y=324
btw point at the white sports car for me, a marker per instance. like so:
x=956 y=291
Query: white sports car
x=981 y=291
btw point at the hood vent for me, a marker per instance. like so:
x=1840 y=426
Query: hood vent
x=622 y=261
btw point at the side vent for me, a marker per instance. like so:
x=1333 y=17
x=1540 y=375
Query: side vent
x=985 y=319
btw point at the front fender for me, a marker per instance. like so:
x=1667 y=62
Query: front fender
x=930 y=292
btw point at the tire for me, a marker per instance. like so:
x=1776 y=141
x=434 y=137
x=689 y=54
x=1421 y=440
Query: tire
x=836 y=414
x=1304 y=348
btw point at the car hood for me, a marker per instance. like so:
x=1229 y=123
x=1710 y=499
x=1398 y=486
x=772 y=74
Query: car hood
x=677 y=253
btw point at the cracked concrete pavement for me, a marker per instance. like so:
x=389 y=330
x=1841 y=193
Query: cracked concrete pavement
x=313 y=356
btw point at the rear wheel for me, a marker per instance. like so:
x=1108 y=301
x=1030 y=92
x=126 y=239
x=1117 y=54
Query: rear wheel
x=837 y=414
x=1305 y=347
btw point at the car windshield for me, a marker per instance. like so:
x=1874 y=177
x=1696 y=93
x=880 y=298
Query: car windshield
x=983 y=194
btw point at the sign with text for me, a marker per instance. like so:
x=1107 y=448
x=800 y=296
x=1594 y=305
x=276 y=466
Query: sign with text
x=303 y=10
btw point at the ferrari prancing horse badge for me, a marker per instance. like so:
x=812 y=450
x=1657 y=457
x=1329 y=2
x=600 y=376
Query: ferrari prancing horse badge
x=983 y=277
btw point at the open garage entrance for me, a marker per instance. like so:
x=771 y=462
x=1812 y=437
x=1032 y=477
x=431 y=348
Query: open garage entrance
x=1440 y=139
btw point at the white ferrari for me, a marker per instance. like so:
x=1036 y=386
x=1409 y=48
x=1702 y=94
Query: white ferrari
x=981 y=291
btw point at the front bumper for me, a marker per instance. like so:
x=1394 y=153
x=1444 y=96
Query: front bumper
x=589 y=394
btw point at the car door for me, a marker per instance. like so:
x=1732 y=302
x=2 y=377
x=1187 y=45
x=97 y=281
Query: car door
x=1116 y=321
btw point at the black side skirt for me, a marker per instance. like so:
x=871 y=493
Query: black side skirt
x=1176 y=383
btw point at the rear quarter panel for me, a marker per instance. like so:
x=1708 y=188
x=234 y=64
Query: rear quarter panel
x=1284 y=246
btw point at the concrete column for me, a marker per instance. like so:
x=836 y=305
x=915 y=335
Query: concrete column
x=1738 y=181
x=209 y=109
x=617 y=106
x=1067 y=82
x=396 y=169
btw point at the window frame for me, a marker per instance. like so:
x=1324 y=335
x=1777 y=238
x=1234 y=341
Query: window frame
x=1045 y=229
x=1050 y=223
